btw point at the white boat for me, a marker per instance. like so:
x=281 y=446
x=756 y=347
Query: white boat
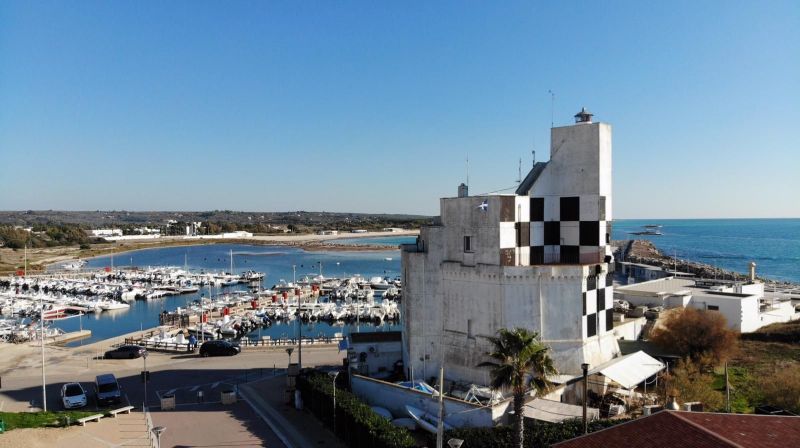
x=426 y=420
x=111 y=306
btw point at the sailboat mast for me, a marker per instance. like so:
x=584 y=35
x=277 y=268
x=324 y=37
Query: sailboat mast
x=231 y=261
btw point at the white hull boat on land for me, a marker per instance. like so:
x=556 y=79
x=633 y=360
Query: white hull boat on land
x=425 y=420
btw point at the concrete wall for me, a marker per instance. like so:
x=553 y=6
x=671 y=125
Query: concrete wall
x=741 y=313
x=380 y=356
x=394 y=398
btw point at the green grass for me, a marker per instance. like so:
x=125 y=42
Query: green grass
x=15 y=420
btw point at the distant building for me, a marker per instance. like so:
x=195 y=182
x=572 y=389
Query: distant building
x=392 y=229
x=100 y=233
x=538 y=259
x=745 y=305
x=358 y=231
x=328 y=232
x=237 y=234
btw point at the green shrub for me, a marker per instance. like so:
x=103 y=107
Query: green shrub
x=538 y=434
x=15 y=420
x=356 y=423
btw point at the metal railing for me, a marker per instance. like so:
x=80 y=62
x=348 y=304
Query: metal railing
x=151 y=436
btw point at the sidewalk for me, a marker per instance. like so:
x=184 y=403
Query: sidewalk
x=297 y=429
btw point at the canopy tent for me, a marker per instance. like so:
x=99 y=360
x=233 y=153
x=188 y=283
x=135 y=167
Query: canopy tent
x=629 y=370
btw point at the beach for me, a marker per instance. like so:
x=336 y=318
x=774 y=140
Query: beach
x=38 y=259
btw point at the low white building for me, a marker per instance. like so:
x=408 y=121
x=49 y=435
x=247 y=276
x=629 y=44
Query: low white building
x=744 y=304
x=328 y=232
x=100 y=233
x=237 y=234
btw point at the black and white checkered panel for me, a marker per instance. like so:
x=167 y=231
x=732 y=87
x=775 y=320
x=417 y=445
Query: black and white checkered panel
x=568 y=230
x=598 y=304
x=515 y=231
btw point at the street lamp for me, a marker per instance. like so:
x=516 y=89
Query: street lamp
x=158 y=430
x=455 y=443
x=145 y=378
x=334 y=375
x=289 y=352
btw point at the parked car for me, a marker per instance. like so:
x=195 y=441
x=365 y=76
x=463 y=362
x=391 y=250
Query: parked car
x=107 y=390
x=73 y=396
x=126 y=352
x=219 y=348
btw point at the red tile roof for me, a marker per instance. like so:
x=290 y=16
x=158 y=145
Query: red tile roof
x=674 y=429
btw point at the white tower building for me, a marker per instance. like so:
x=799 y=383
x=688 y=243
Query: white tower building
x=537 y=259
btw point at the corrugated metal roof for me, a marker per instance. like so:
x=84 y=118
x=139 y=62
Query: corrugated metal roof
x=629 y=370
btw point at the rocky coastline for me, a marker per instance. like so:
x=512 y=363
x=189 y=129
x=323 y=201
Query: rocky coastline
x=645 y=252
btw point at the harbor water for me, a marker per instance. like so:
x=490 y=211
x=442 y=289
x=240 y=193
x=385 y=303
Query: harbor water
x=275 y=261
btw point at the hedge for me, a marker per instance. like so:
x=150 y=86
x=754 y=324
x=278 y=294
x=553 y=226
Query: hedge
x=538 y=434
x=357 y=425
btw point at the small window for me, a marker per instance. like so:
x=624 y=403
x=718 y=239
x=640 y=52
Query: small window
x=713 y=308
x=470 y=333
x=467 y=244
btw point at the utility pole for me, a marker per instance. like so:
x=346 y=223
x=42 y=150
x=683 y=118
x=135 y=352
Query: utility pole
x=585 y=368
x=727 y=390
x=44 y=382
x=440 y=426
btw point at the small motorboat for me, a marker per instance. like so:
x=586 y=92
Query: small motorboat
x=426 y=420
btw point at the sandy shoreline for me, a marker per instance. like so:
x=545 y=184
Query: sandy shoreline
x=39 y=259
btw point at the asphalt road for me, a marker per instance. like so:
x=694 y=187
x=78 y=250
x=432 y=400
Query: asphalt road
x=183 y=375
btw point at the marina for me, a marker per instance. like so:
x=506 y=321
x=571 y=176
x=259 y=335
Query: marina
x=288 y=285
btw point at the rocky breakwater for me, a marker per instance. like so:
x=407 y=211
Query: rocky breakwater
x=645 y=252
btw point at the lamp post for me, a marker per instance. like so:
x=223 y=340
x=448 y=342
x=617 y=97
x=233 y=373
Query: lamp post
x=334 y=375
x=145 y=378
x=44 y=381
x=455 y=443
x=585 y=368
x=158 y=430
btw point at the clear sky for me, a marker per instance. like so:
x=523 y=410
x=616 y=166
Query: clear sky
x=373 y=106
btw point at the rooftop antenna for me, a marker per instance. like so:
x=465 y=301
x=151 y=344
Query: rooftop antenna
x=467 y=170
x=533 y=156
x=552 y=107
x=519 y=178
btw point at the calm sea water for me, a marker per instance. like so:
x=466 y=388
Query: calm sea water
x=275 y=261
x=774 y=244
x=378 y=241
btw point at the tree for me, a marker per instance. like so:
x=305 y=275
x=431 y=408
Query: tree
x=698 y=335
x=688 y=382
x=519 y=361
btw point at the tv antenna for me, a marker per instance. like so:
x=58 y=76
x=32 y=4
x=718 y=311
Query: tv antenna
x=552 y=107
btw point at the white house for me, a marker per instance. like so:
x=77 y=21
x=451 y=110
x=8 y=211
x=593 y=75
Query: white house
x=537 y=259
x=745 y=305
x=106 y=232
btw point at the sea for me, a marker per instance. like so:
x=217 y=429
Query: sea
x=773 y=244
x=731 y=244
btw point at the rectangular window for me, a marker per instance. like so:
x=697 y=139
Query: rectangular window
x=713 y=308
x=589 y=233
x=570 y=208
x=591 y=325
x=537 y=254
x=552 y=233
x=470 y=333
x=467 y=244
x=601 y=299
x=537 y=209
x=609 y=320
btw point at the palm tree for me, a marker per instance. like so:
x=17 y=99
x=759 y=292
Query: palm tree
x=520 y=361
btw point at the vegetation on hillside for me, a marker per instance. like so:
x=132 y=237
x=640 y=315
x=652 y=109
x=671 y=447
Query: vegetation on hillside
x=701 y=336
x=44 y=235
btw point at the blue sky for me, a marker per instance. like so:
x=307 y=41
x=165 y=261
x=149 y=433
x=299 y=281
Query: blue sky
x=373 y=106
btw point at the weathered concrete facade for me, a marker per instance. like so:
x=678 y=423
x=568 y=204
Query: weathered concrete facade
x=537 y=259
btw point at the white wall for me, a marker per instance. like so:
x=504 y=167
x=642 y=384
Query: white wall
x=394 y=398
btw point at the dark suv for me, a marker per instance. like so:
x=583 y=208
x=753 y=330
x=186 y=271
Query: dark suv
x=107 y=390
x=126 y=352
x=219 y=348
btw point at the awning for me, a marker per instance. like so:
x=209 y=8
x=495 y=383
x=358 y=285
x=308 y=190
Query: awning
x=555 y=411
x=629 y=370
